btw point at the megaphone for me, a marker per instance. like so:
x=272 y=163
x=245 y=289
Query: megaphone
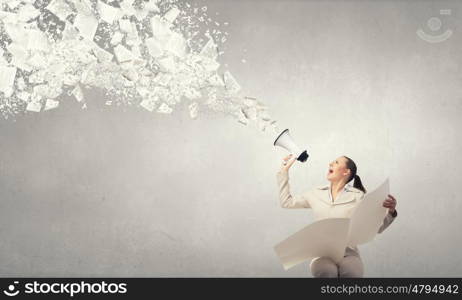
x=285 y=141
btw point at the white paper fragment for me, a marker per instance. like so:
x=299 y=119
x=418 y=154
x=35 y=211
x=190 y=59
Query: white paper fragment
x=34 y=106
x=101 y=54
x=60 y=9
x=160 y=28
x=87 y=25
x=151 y=6
x=38 y=41
x=24 y=96
x=216 y=80
x=210 y=50
x=176 y=44
x=192 y=93
x=123 y=54
x=117 y=38
x=78 y=93
x=250 y=113
x=70 y=32
x=172 y=14
x=231 y=83
x=127 y=7
x=210 y=65
x=37 y=61
x=108 y=13
x=154 y=47
x=141 y=14
x=167 y=64
x=193 y=108
x=242 y=118
x=27 y=13
x=125 y=25
x=51 y=104
x=164 y=109
x=17 y=33
x=84 y=7
x=148 y=104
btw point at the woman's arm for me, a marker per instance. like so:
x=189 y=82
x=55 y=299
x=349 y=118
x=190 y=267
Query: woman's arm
x=286 y=199
x=389 y=218
x=389 y=203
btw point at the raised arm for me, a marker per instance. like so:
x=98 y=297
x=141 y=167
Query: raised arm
x=286 y=199
x=389 y=218
x=389 y=203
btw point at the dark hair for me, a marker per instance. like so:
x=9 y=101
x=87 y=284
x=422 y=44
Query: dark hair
x=352 y=166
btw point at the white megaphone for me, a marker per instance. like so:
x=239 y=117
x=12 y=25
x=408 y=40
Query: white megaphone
x=285 y=141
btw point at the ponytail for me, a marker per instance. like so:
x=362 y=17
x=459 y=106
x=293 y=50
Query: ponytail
x=357 y=181
x=358 y=184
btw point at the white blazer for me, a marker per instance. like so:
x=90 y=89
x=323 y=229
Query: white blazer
x=319 y=199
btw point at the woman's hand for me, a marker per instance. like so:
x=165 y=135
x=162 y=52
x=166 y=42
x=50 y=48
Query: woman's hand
x=287 y=162
x=390 y=203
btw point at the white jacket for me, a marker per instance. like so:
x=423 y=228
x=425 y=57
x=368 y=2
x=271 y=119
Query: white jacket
x=319 y=200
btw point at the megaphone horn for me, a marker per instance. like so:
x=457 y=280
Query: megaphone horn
x=285 y=141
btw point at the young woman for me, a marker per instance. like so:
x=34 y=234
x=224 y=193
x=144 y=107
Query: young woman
x=334 y=200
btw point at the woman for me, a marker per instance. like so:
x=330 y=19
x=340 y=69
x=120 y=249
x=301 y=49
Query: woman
x=335 y=200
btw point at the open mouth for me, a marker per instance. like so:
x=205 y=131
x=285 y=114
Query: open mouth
x=331 y=171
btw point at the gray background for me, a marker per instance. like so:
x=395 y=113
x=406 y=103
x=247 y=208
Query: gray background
x=108 y=192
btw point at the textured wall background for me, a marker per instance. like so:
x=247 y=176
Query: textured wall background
x=107 y=192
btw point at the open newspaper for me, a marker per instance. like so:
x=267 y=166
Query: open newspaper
x=329 y=237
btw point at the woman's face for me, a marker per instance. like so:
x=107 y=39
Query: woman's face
x=338 y=170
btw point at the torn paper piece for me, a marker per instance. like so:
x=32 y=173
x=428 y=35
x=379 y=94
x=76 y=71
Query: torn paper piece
x=117 y=38
x=108 y=13
x=101 y=54
x=154 y=47
x=70 y=32
x=192 y=93
x=250 y=113
x=8 y=18
x=151 y=6
x=34 y=106
x=176 y=44
x=78 y=93
x=27 y=13
x=125 y=25
x=242 y=118
x=148 y=104
x=71 y=79
x=127 y=7
x=231 y=83
x=167 y=64
x=12 y=4
x=193 y=108
x=24 y=96
x=60 y=9
x=37 y=61
x=164 y=109
x=216 y=80
x=17 y=33
x=160 y=28
x=123 y=54
x=47 y=91
x=171 y=15
x=19 y=53
x=210 y=50
x=87 y=26
x=141 y=14
x=84 y=7
x=51 y=104
x=210 y=65
x=7 y=75
x=38 y=41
